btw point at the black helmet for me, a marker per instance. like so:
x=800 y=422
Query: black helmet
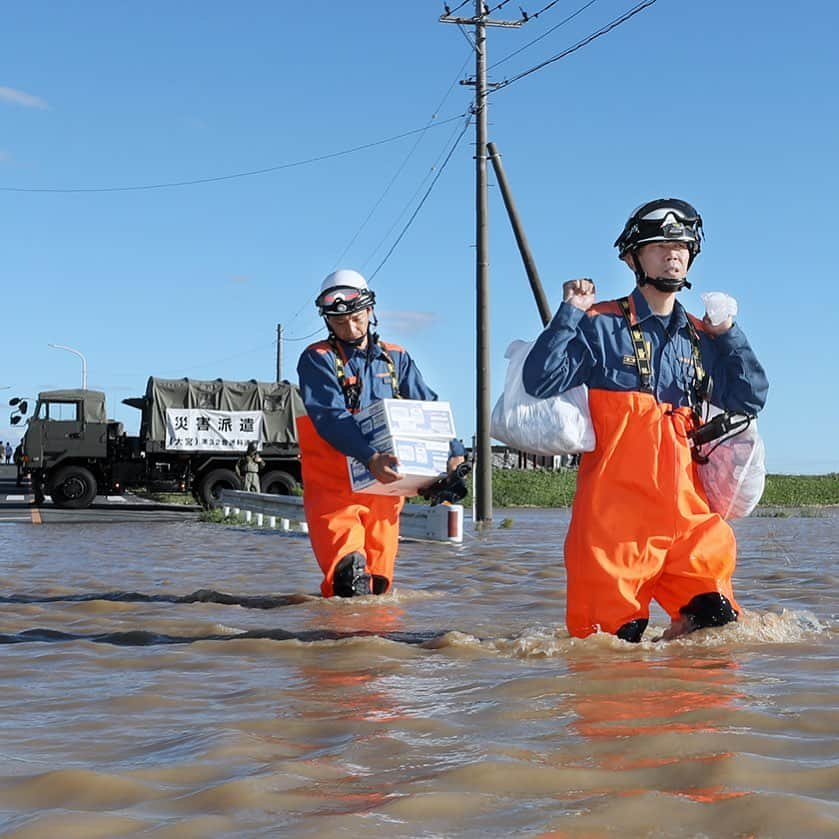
x=344 y=292
x=662 y=220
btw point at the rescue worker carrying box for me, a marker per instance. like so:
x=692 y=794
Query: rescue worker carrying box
x=354 y=535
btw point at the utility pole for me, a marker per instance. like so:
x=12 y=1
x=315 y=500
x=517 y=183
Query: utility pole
x=483 y=445
x=521 y=239
x=279 y=352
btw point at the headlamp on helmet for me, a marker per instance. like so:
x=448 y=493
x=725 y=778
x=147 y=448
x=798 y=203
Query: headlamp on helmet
x=662 y=220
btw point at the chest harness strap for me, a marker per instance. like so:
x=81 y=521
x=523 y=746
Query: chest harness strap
x=701 y=389
x=351 y=385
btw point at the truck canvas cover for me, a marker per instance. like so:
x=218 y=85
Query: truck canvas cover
x=93 y=402
x=194 y=415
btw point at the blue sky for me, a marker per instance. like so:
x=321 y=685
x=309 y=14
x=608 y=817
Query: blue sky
x=731 y=106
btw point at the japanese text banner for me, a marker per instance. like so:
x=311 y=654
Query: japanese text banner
x=200 y=429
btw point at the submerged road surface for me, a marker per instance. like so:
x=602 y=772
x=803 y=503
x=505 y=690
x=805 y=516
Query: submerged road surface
x=17 y=504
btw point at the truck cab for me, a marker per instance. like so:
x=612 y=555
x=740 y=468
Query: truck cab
x=66 y=437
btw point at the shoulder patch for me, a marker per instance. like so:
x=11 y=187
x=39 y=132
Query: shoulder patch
x=391 y=347
x=698 y=323
x=322 y=347
x=607 y=307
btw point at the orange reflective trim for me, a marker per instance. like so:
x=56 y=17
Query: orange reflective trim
x=641 y=528
x=606 y=307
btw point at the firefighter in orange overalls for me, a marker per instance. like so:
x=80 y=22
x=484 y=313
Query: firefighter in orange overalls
x=641 y=528
x=354 y=535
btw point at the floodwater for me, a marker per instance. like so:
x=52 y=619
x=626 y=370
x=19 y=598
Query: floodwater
x=137 y=701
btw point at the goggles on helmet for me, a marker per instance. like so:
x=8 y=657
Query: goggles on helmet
x=663 y=220
x=344 y=300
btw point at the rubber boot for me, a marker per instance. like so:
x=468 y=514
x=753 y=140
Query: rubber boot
x=633 y=630
x=351 y=578
x=380 y=584
x=709 y=609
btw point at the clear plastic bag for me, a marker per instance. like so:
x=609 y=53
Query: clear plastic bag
x=735 y=475
x=557 y=425
x=719 y=306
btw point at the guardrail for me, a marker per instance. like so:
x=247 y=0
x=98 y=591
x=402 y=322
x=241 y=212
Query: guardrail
x=441 y=523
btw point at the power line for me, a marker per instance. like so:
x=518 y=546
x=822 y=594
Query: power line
x=579 y=45
x=248 y=174
x=388 y=187
x=434 y=167
x=544 y=34
x=456 y=8
x=404 y=163
x=427 y=193
x=541 y=11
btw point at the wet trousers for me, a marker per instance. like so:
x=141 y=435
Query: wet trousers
x=342 y=521
x=641 y=528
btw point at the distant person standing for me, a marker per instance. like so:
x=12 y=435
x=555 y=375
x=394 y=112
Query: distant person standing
x=9 y=451
x=248 y=468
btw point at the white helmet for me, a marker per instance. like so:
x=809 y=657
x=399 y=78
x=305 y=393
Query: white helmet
x=343 y=292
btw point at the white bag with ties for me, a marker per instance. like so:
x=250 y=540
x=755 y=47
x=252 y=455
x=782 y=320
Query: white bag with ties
x=734 y=476
x=553 y=426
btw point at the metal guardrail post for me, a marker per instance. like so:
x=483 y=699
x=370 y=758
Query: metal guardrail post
x=441 y=523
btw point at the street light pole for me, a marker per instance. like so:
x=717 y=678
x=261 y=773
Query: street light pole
x=76 y=352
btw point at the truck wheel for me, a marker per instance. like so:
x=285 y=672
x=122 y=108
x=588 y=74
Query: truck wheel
x=278 y=482
x=214 y=482
x=73 y=487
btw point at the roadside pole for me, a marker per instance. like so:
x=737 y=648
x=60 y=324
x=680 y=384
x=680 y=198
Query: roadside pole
x=521 y=239
x=482 y=489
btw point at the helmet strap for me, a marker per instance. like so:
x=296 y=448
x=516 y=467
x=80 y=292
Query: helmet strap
x=333 y=337
x=664 y=284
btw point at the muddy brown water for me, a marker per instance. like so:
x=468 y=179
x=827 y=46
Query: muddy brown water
x=186 y=680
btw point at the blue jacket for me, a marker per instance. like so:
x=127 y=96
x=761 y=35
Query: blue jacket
x=325 y=402
x=595 y=348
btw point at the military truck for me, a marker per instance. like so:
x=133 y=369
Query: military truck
x=192 y=434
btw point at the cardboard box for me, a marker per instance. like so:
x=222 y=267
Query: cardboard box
x=421 y=461
x=407 y=417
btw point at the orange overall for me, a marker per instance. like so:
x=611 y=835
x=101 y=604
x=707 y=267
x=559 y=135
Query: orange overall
x=342 y=521
x=641 y=480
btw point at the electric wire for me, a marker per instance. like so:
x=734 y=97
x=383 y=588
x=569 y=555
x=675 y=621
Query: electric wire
x=217 y=178
x=404 y=163
x=500 y=5
x=434 y=167
x=466 y=124
x=543 y=35
x=541 y=11
x=387 y=189
x=579 y=45
x=456 y=8
x=404 y=230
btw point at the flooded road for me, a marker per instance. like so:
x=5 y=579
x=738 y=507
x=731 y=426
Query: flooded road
x=181 y=679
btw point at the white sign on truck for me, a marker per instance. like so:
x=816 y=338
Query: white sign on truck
x=203 y=429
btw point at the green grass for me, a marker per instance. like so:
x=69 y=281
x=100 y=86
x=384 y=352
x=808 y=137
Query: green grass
x=185 y=498
x=538 y=488
x=801 y=490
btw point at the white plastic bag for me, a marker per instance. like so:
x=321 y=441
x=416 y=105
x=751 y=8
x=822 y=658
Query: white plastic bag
x=735 y=474
x=719 y=306
x=557 y=425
